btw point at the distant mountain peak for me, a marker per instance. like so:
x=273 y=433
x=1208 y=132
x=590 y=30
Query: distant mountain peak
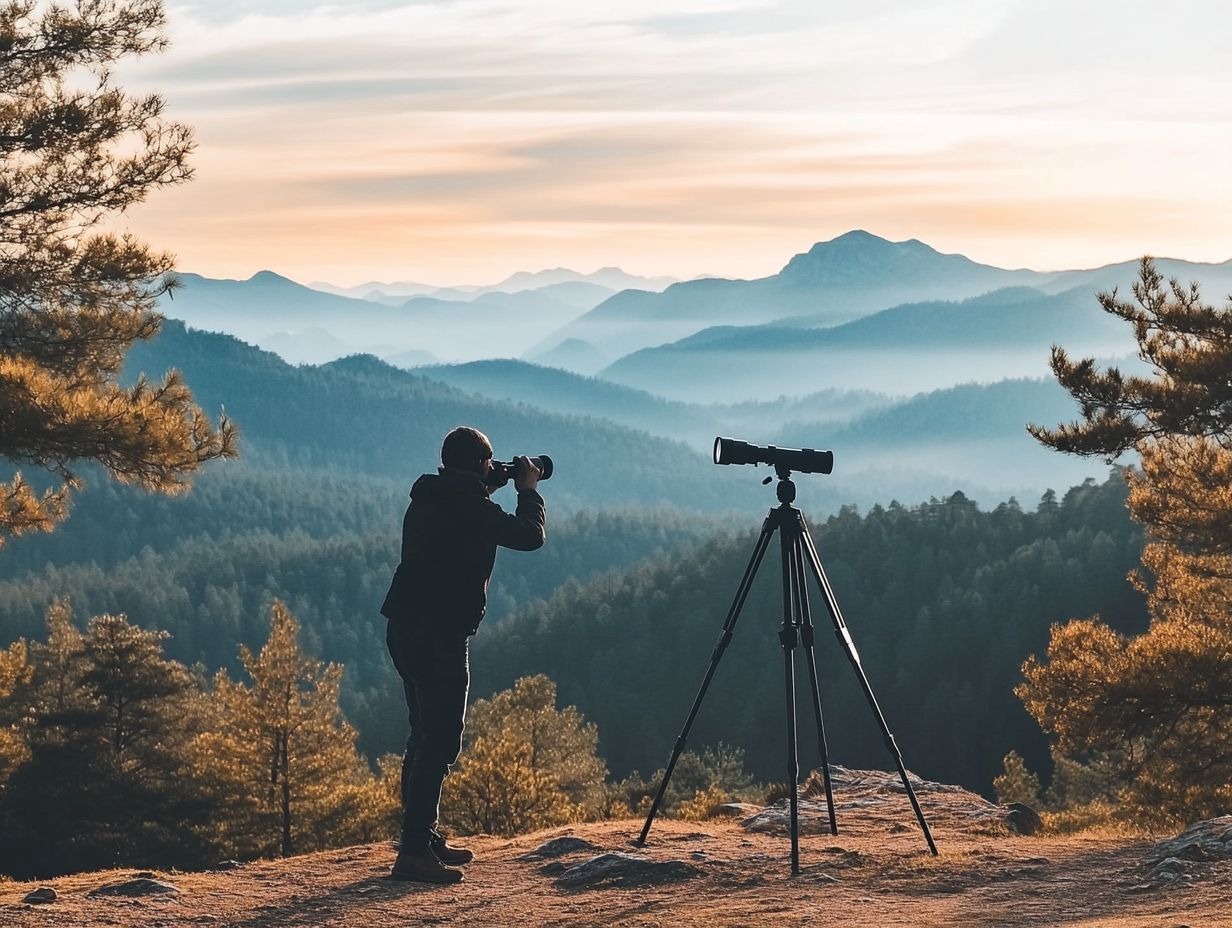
x=858 y=257
x=363 y=362
x=855 y=236
x=860 y=239
x=269 y=277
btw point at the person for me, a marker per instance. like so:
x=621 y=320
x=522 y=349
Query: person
x=434 y=605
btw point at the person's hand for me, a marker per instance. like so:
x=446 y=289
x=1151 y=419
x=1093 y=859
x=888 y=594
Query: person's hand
x=525 y=474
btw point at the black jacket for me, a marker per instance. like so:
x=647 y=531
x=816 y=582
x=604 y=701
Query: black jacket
x=449 y=540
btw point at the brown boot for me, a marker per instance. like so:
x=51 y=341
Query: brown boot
x=453 y=856
x=423 y=867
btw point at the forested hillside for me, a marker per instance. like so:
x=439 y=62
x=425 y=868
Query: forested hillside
x=362 y=416
x=212 y=591
x=944 y=602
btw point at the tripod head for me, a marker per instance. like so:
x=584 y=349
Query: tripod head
x=786 y=490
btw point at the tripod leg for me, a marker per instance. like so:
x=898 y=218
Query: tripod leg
x=810 y=659
x=788 y=634
x=729 y=625
x=844 y=637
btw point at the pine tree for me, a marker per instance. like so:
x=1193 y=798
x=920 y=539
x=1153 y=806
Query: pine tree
x=108 y=721
x=279 y=754
x=526 y=765
x=378 y=812
x=58 y=668
x=1156 y=709
x=1188 y=345
x=1016 y=783
x=15 y=672
x=74 y=151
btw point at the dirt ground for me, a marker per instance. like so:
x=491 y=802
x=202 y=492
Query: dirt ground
x=869 y=875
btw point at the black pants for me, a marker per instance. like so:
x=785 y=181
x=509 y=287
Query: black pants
x=435 y=675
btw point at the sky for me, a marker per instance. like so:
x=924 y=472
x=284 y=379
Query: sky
x=457 y=141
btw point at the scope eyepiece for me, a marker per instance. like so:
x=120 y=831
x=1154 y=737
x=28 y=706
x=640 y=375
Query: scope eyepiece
x=803 y=460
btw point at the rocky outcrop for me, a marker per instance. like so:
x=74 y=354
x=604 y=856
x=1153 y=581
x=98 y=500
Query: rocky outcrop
x=141 y=886
x=1191 y=853
x=559 y=847
x=619 y=869
x=1022 y=819
x=878 y=796
x=1203 y=841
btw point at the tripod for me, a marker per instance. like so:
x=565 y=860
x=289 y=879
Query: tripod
x=797 y=550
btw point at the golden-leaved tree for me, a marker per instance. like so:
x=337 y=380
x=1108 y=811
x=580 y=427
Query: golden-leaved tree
x=278 y=754
x=76 y=150
x=103 y=725
x=15 y=671
x=526 y=765
x=1156 y=709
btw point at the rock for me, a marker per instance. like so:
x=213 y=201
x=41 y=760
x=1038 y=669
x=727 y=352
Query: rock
x=738 y=809
x=141 y=886
x=228 y=865
x=41 y=895
x=1170 y=870
x=619 y=869
x=1209 y=840
x=1194 y=850
x=554 y=868
x=776 y=819
x=1022 y=819
x=559 y=847
x=1171 y=864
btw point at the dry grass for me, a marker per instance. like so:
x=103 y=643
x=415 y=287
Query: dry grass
x=864 y=878
x=875 y=874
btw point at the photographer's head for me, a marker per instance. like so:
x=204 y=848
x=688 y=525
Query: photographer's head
x=467 y=449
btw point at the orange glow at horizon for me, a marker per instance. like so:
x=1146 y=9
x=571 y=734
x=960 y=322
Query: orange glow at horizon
x=458 y=142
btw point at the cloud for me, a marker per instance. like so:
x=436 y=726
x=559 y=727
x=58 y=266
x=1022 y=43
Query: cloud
x=573 y=124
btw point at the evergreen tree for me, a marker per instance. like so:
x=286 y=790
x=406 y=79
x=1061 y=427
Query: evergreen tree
x=701 y=781
x=74 y=150
x=15 y=671
x=107 y=723
x=1187 y=344
x=1016 y=783
x=1156 y=709
x=526 y=765
x=279 y=754
x=58 y=665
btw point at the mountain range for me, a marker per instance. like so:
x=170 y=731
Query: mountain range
x=617 y=445
x=905 y=349
x=310 y=326
x=582 y=322
x=837 y=281
x=611 y=279
x=803 y=356
x=834 y=281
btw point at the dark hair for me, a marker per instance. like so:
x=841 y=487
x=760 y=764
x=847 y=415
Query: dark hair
x=466 y=449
